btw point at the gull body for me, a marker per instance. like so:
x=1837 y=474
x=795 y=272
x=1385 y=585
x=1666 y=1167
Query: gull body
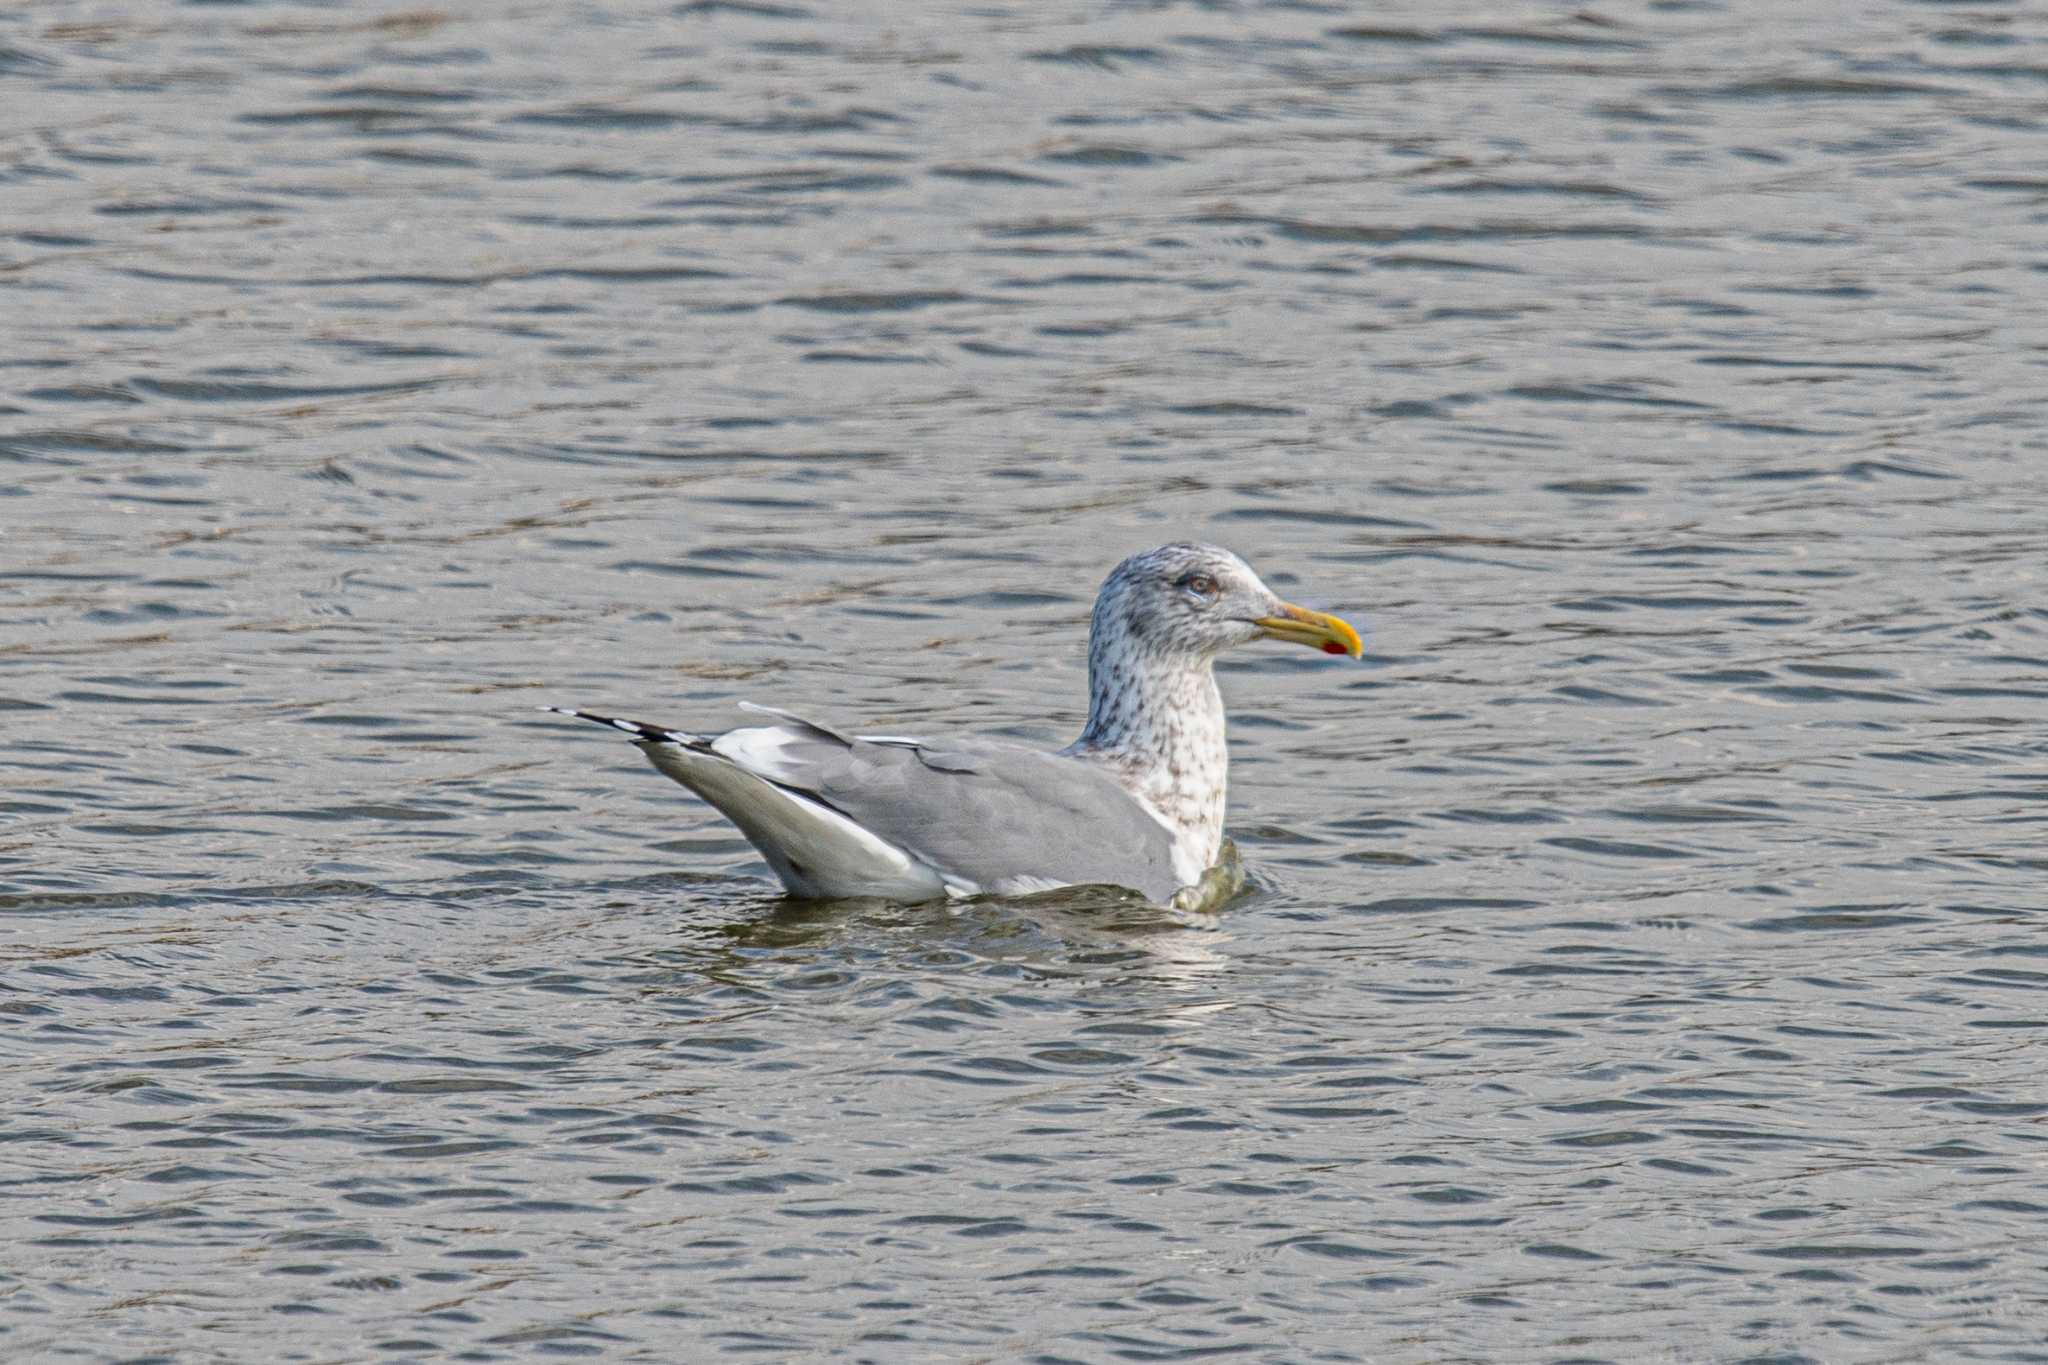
x=1136 y=801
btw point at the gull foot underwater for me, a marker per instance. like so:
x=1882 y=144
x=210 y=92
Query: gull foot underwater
x=1137 y=801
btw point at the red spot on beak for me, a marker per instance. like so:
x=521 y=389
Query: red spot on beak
x=1332 y=647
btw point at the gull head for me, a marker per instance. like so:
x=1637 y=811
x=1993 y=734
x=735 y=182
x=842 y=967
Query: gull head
x=1186 y=604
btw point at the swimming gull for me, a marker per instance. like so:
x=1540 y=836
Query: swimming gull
x=1136 y=801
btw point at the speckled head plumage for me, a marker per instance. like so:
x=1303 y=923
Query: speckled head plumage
x=1155 y=718
x=1181 y=602
x=1187 y=603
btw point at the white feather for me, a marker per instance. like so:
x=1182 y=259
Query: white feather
x=1026 y=886
x=815 y=850
x=761 y=750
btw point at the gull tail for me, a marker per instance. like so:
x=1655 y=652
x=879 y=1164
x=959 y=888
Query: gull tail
x=815 y=850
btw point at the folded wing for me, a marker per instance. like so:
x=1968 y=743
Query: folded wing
x=837 y=814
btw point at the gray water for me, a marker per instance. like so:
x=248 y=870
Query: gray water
x=1644 y=955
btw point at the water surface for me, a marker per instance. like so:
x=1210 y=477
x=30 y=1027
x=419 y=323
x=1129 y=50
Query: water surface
x=1643 y=956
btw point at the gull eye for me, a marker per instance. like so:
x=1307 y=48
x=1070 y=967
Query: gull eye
x=1201 y=587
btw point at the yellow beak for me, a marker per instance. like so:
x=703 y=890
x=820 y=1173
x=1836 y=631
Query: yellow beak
x=1304 y=627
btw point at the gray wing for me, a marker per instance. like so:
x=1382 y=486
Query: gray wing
x=980 y=811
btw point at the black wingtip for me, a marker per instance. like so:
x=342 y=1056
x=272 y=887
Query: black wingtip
x=654 y=734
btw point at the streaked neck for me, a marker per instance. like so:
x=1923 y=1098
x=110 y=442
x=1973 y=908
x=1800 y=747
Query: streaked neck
x=1159 y=726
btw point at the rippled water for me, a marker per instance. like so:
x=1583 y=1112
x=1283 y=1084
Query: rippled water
x=1644 y=958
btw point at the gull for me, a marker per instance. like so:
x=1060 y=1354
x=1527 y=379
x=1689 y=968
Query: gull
x=1137 y=801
